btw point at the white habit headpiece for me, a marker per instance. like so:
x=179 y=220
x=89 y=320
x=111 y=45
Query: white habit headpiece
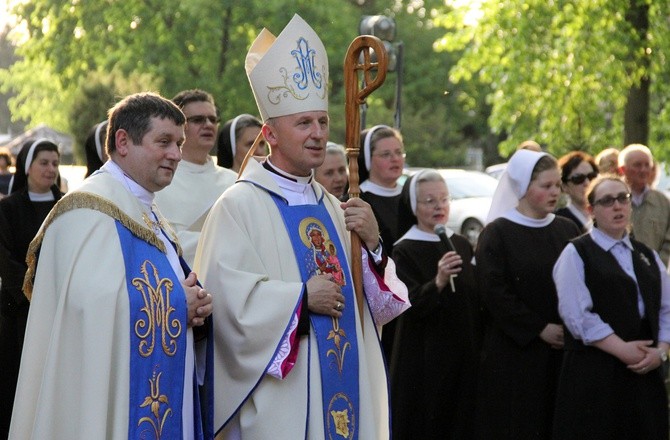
x=513 y=183
x=289 y=73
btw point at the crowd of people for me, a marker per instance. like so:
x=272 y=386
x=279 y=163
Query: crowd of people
x=176 y=294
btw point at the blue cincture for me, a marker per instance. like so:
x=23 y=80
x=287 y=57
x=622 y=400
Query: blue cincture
x=318 y=250
x=158 y=326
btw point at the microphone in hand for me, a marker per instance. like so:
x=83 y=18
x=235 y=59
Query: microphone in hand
x=441 y=232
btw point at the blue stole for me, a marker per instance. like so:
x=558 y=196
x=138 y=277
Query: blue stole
x=158 y=325
x=318 y=250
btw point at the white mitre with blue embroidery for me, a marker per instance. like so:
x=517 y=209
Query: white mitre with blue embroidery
x=289 y=73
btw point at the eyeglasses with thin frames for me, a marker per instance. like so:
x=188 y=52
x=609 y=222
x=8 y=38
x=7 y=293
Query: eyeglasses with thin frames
x=388 y=155
x=607 y=201
x=435 y=203
x=200 y=119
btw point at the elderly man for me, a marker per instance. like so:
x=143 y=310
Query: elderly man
x=198 y=181
x=292 y=360
x=109 y=349
x=651 y=209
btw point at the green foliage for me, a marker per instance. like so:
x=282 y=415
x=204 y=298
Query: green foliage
x=560 y=71
x=81 y=55
x=96 y=93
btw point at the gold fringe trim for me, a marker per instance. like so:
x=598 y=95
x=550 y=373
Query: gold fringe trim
x=83 y=200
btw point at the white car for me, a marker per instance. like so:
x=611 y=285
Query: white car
x=471 y=193
x=496 y=170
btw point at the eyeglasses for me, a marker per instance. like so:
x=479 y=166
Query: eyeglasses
x=388 y=155
x=607 y=201
x=200 y=119
x=578 y=179
x=434 y=203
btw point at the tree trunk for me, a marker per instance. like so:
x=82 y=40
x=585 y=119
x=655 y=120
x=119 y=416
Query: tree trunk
x=636 y=113
x=225 y=40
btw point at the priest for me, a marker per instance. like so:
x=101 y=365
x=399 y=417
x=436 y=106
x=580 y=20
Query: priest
x=109 y=350
x=291 y=358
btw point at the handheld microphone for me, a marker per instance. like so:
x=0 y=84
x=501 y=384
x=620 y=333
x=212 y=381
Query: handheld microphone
x=441 y=232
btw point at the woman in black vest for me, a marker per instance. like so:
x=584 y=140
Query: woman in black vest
x=614 y=297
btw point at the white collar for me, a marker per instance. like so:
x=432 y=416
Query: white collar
x=515 y=216
x=145 y=196
x=586 y=221
x=417 y=234
x=297 y=190
x=41 y=197
x=196 y=168
x=606 y=242
x=382 y=191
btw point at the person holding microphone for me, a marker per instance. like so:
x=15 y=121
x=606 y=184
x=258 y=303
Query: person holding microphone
x=434 y=354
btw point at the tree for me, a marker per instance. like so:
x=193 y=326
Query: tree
x=441 y=119
x=76 y=53
x=7 y=57
x=570 y=74
x=183 y=45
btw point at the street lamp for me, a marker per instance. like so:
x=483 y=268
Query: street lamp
x=384 y=28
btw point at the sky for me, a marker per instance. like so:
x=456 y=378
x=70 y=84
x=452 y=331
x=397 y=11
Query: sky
x=4 y=15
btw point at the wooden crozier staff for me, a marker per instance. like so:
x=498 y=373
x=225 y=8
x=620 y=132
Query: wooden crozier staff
x=357 y=63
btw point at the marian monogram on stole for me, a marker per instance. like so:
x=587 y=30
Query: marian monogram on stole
x=157 y=309
x=156 y=323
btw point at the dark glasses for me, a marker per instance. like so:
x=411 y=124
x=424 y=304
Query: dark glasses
x=578 y=179
x=200 y=119
x=607 y=201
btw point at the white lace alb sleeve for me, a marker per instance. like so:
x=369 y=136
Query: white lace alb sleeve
x=387 y=297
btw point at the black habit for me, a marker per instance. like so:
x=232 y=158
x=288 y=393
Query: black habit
x=434 y=361
x=519 y=371
x=20 y=219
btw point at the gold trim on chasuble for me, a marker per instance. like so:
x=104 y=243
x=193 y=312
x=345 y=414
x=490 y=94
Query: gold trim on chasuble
x=85 y=200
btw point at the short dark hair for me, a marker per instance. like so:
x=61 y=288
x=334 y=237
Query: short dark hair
x=134 y=113
x=194 y=95
x=570 y=161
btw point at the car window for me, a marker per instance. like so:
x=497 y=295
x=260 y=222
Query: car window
x=470 y=184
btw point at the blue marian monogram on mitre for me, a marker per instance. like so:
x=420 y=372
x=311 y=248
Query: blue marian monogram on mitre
x=304 y=56
x=306 y=72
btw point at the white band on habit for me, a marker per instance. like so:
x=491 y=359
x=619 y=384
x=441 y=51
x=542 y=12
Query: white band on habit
x=98 y=144
x=366 y=145
x=233 y=138
x=31 y=153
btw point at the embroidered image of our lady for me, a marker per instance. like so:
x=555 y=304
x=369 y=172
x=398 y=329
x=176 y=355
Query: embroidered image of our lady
x=321 y=255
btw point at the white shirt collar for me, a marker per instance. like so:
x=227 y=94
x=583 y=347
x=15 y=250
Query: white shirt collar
x=297 y=190
x=606 y=242
x=586 y=221
x=145 y=196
